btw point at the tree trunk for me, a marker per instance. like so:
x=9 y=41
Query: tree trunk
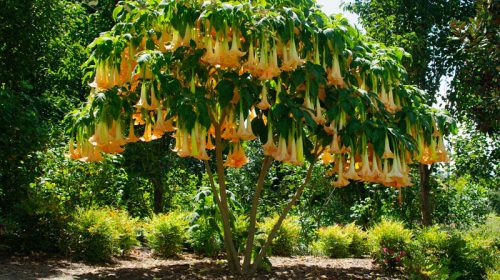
x=281 y=218
x=158 y=195
x=425 y=206
x=232 y=255
x=253 y=214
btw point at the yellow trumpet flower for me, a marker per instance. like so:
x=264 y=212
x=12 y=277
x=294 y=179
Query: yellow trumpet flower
x=131 y=134
x=74 y=153
x=385 y=173
x=281 y=152
x=387 y=149
x=318 y=118
x=365 y=173
x=236 y=157
x=291 y=59
x=334 y=146
x=271 y=69
x=341 y=180
x=143 y=101
x=300 y=149
x=234 y=53
x=148 y=133
x=395 y=173
x=269 y=148
x=334 y=76
x=390 y=106
x=184 y=145
x=377 y=175
x=326 y=157
x=351 y=173
x=210 y=145
x=264 y=104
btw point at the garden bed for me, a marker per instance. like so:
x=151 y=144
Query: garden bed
x=142 y=265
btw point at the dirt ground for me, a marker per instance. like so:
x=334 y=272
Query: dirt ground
x=142 y=265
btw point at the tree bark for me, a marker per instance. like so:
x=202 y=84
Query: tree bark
x=253 y=213
x=158 y=195
x=425 y=206
x=232 y=255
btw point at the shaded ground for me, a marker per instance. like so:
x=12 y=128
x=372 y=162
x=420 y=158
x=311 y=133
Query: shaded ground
x=141 y=265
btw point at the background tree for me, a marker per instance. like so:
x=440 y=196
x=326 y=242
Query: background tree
x=474 y=91
x=422 y=28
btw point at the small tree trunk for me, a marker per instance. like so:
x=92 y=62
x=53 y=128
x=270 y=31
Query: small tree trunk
x=425 y=207
x=232 y=255
x=158 y=195
x=253 y=214
x=281 y=218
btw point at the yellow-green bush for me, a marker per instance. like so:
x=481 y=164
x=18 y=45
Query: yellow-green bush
x=359 y=240
x=439 y=253
x=240 y=231
x=166 y=234
x=333 y=242
x=389 y=242
x=341 y=241
x=126 y=227
x=286 y=240
x=95 y=235
x=428 y=254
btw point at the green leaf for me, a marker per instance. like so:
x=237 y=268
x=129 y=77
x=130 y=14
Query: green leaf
x=225 y=89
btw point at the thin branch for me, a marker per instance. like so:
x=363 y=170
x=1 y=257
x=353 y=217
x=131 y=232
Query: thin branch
x=212 y=182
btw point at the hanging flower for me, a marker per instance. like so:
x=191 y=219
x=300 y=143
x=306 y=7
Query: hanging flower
x=341 y=180
x=245 y=129
x=281 y=153
x=387 y=149
x=291 y=59
x=264 y=104
x=269 y=147
x=351 y=173
x=236 y=157
x=334 y=76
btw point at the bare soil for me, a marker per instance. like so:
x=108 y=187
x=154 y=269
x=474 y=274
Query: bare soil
x=142 y=265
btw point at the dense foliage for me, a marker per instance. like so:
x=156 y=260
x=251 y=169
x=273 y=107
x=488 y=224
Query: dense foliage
x=44 y=43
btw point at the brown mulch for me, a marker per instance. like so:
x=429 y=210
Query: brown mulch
x=142 y=265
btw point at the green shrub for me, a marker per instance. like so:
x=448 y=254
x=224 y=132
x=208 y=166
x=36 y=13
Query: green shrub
x=35 y=226
x=166 y=234
x=389 y=243
x=359 y=240
x=93 y=237
x=333 y=242
x=428 y=254
x=126 y=228
x=240 y=231
x=437 y=253
x=341 y=241
x=286 y=240
x=204 y=237
x=477 y=255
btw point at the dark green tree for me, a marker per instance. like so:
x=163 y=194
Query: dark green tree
x=475 y=91
x=423 y=29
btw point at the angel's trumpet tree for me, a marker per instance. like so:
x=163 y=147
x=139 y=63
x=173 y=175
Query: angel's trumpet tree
x=215 y=75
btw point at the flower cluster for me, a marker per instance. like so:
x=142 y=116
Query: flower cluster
x=213 y=72
x=391 y=259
